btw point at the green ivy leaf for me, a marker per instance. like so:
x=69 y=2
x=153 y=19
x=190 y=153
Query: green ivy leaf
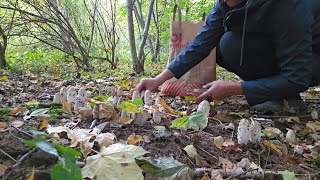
x=4 y=78
x=62 y=150
x=160 y=167
x=49 y=148
x=32 y=103
x=129 y=106
x=197 y=121
x=287 y=175
x=66 y=169
x=138 y=102
x=180 y=122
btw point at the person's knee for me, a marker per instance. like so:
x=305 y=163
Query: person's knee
x=230 y=48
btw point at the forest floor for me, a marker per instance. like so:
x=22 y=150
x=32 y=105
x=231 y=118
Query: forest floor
x=27 y=112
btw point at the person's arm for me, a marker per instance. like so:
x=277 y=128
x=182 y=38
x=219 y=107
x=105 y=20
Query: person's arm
x=293 y=43
x=202 y=45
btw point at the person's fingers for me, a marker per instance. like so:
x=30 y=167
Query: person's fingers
x=207 y=86
x=204 y=95
x=140 y=87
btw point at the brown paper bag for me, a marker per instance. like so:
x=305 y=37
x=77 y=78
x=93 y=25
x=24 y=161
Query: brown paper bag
x=182 y=33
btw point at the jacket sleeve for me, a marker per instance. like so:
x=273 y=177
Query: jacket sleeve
x=293 y=47
x=202 y=45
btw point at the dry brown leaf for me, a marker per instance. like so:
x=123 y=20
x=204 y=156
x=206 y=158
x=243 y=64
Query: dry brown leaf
x=314 y=126
x=167 y=108
x=105 y=139
x=291 y=159
x=3 y=169
x=125 y=120
x=107 y=112
x=228 y=142
x=205 y=177
x=16 y=111
x=43 y=124
x=86 y=114
x=134 y=139
x=31 y=177
x=292 y=119
x=66 y=106
x=272 y=146
x=3 y=126
x=218 y=141
x=17 y=123
x=90 y=84
x=317 y=143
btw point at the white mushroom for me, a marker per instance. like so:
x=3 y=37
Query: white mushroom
x=255 y=132
x=157 y=116
x=135 y=95
x=314 y=115
x=298 y=149
x=204 y=107
x=82 y=94
x=243 y=132
x=71 y=95
x=57 y=98
x=291 y=136
x=79 y=104
x=119 y=92
x=148 y=98
x=63 y=93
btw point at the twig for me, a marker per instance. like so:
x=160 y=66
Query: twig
x=21 y=159
x=77 y=124
x=215 y=119
x=207 y=152
x=277 y=117
x=23 y=132
x=8 y=155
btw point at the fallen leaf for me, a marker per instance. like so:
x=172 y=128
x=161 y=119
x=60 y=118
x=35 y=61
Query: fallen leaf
x=226 y=163
x=205 y=177
x=228 y=142
x=167 y=108
x=272 y=132
x=105 y=139
x=291 y=159
x=197 y=121
x=17 y=123
x=90 y=84
x=3 y=126
x=125 y=120
x=314 y=126
x=272 y=146
x=218 y=141
x=228 y=117
x=38 y=113
x=66 y=106
x=32 y=103
x=107 y=112
x=180 y=122
x=3 y=169
x=192 y=153
x=162 y=132
x=233 y=149
x=134 y=139
x=292 y=119
x=287 y=175
x=129 y=106
x=31 y=177
x=43 y=124
x=16 y=111
x=116 y=162
x=163 y=167
x=216 y=103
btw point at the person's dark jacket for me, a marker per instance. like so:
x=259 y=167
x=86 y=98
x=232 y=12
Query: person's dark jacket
x=295 y=28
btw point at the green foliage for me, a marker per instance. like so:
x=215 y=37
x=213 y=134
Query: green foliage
x=160 y=167
x=66 y=169
x=195 y=121
x=32 y=103
x=317 y=160
x=287 y=175
x=5 y=111
x=4 y=78
x=131 y=106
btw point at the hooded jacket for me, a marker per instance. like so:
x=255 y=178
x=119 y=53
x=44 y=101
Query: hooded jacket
x=294 y=26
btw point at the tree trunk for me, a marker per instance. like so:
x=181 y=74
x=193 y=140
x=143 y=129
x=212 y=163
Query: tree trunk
x=3 y=48
x=139 y=16
x=137 y=65
x=146 y=31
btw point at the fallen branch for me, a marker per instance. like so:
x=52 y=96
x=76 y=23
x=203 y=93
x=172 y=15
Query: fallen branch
x=20 y=160
x=23 y=132
x=8 y=155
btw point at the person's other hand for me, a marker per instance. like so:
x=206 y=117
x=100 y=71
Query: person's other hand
x=220 y=90
x=148 y=84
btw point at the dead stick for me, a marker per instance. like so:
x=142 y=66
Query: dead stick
x=8 y=155
x=25 y=156
x=23 y=132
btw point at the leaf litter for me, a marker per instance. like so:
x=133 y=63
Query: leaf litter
x=199 y=145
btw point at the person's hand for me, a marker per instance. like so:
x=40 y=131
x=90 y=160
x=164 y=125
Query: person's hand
x=220 y=90
x=148 y=84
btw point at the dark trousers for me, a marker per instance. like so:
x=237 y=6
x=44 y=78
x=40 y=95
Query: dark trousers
x=258 y=59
